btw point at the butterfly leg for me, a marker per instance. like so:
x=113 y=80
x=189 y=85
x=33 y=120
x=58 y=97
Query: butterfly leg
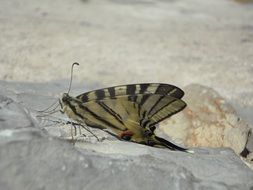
x=71 y=132
x=80 y=132
x=72 y=136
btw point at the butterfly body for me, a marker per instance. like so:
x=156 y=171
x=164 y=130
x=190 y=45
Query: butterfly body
x=129 y=112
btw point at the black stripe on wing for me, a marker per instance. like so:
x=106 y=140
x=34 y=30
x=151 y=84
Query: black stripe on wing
x=130 y=89
x=157 y=108
x=143 y=99
x=143 y=88
x=111 y=112
x=112 y=92
x=98 y=117
x=163 y=107
x=165 y=112
x=100 y=94
x=155 y=104
x=165 y=89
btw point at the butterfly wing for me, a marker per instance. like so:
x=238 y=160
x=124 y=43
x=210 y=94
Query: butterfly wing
x=134 y=108
x=155 y=108
x=130 y=113
x=131 y=90
x=114 y=114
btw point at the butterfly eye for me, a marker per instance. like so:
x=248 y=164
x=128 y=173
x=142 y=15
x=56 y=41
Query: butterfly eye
x=65 y=97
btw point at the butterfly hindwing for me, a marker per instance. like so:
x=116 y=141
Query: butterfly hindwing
x=153 y=108
x=153 y=112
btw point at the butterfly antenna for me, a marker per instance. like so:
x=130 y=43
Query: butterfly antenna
x=71 y=75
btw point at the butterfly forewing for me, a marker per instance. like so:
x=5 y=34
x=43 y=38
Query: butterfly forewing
x=114 y=114
x=131 y=90
x=102 y=116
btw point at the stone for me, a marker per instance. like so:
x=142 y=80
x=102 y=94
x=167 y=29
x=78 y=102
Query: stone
x=54 y=164
x=13 y=115
x=207 y=121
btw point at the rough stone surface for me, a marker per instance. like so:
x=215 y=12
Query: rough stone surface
x=9 y=108
x=45 y=163
x=35 y=157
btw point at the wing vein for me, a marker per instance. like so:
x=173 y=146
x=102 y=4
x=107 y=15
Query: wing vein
x=111 y=112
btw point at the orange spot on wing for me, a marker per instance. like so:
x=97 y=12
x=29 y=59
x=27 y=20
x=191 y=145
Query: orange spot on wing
x=126 y=133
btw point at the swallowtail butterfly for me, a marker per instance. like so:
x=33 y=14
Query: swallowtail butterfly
x=129 y=112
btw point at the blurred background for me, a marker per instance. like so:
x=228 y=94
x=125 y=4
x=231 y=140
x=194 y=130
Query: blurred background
x=131 y=41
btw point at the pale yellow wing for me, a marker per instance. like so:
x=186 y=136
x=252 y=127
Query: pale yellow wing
x=130 y=112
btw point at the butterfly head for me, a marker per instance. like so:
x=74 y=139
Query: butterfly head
x=69 y=104
x=65 y=98
x=64 y=101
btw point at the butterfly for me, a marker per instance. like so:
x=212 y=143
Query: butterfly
x=128 y=112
